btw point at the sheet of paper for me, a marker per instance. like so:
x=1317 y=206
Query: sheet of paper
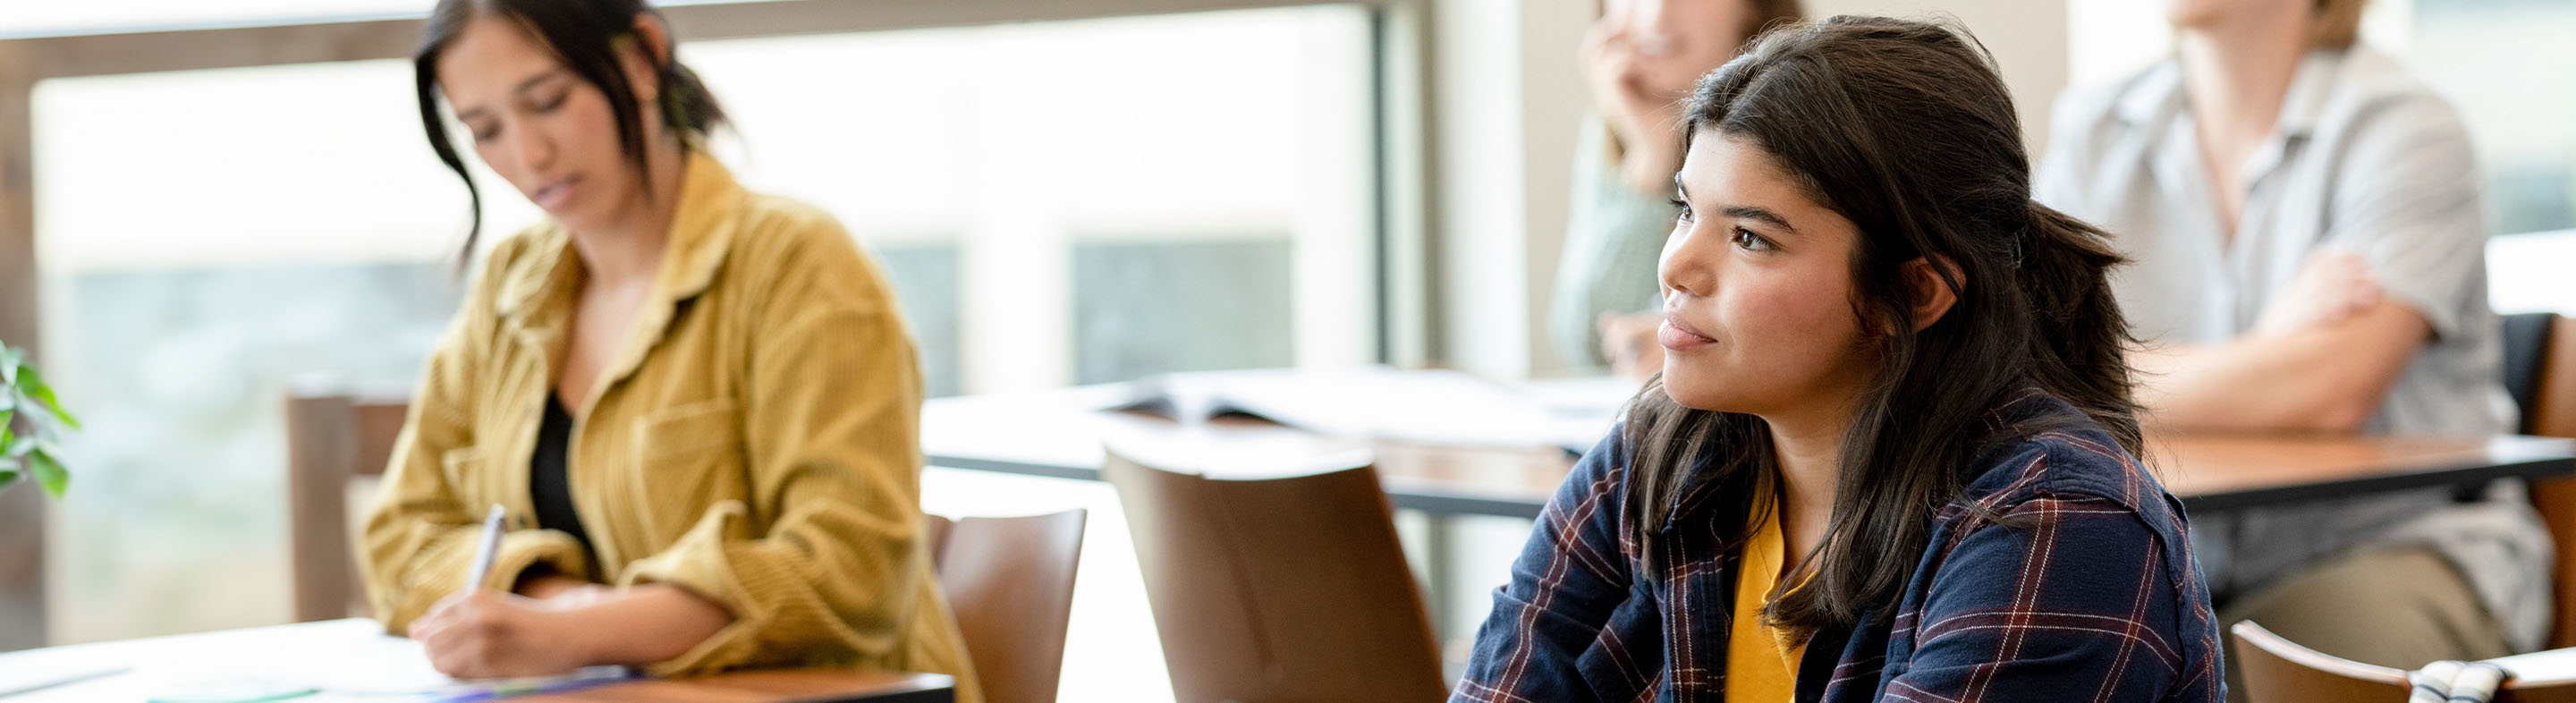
x=364 y=667
x=1430 y=407
x=346 y=660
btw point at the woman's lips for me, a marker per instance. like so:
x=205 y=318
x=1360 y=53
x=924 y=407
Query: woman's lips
x=1677 y=335
x=552 y=197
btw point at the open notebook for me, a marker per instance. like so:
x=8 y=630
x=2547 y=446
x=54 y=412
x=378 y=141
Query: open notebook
x=1429 y=407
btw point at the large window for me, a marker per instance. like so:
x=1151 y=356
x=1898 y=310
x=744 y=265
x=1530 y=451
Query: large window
x=58 y=16
x=2502 y=63
x=204 y=237
x=1059 y=202
x=2505 y=64
x=1082 y=202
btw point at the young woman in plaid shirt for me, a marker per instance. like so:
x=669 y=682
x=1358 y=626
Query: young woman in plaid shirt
x=1891 y=455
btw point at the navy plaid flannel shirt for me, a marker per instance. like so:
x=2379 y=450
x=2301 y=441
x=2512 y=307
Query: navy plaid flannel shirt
x=2094 y=596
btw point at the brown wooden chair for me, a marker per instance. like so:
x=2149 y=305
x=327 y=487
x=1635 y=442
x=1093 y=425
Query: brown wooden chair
x=2542 y=375
x=2277 y=670
x=1010 y=581
x=333 y=436
x=1278 y=590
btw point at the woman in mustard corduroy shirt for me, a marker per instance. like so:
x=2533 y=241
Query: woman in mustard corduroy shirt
x=697 y=405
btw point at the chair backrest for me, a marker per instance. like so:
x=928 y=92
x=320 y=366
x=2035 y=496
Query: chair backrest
x=2541 y=373
x=333 y=435
x=1279 y=590
x=2277 y=670
x=1010 y=581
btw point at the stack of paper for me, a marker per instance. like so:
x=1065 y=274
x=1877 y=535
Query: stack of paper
x=1429 y=407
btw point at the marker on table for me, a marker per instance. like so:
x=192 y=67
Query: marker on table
x=487 y=550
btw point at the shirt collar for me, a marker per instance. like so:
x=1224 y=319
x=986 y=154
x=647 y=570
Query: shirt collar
x=701 y=233
x=2159 y=92
x=2305 y=102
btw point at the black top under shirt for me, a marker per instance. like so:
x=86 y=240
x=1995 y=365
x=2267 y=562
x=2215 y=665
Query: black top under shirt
x=547 y=482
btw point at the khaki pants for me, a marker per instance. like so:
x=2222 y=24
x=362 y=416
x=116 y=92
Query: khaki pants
x=2396 y=608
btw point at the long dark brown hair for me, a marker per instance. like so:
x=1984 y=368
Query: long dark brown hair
x=1906 y=129
x=587 y=35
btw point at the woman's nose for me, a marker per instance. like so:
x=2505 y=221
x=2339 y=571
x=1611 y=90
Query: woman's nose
x=1686 y=267
x=536 y=150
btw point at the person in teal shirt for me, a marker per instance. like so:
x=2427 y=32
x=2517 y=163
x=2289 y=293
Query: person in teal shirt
x=1640 y=58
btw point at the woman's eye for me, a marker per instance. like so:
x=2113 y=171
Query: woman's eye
x=486 y=134
x=1682 y=209
x=1751 y=242
x=552 y=103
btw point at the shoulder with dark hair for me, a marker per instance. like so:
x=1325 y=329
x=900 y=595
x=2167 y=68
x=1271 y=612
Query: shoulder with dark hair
x=1601 y=477
x=1606 y=463
x=2064 y=572
x=2050 y=449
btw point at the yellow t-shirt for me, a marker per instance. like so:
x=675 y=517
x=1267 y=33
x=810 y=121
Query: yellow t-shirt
x=1761 y=661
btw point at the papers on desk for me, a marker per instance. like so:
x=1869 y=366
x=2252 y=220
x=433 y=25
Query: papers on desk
x=32 y=679
x=1429 y=407
x=373 y=668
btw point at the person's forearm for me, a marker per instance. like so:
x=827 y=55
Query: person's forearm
x=646 y=624
x=2285 y=382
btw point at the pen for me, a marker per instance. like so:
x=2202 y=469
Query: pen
x=507 y=689
x=486 y=550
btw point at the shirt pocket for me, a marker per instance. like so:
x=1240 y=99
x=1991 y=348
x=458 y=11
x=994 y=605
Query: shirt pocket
x=688 y=457
x=683 y=431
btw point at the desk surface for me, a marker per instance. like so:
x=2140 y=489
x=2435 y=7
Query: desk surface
x=1058 y=433
x=2539 y=667
x=339 y=656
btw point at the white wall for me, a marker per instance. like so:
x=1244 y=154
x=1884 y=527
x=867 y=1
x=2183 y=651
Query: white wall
x=2027 y=37
x=2528 y=273
x=1505 y=106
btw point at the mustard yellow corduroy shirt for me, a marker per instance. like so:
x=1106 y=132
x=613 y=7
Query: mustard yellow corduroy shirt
x=755 y=442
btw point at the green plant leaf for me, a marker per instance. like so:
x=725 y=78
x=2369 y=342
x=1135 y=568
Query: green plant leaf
x=21 y=447
x=49 y=473
x=33 y=384
x=7 y=476
x=9 y=359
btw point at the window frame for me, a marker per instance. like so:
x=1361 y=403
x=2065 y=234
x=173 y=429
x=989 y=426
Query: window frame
x=1397 y=89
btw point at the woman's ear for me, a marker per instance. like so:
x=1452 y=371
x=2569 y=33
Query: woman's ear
x=643 y=59
x=1930 y=279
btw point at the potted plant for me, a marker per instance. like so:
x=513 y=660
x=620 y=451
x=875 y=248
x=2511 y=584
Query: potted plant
x=31 y=423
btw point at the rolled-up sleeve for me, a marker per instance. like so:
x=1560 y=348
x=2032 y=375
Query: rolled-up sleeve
x=2411 y=206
